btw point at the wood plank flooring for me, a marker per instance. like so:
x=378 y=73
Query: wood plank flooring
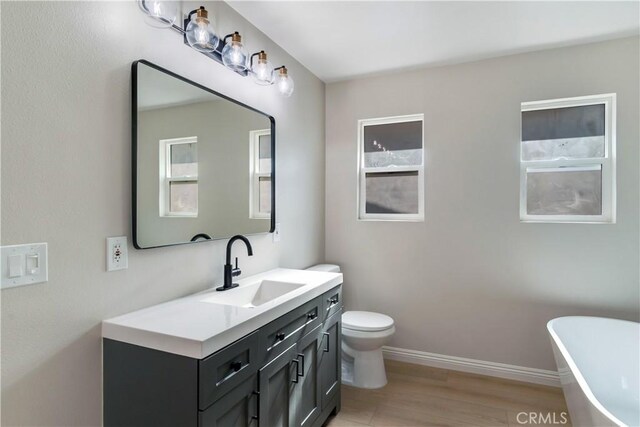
x=418 y=396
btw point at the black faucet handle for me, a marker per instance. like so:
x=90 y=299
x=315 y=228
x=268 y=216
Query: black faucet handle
x=236 y=271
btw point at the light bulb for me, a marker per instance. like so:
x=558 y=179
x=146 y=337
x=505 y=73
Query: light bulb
x=262 y=70
x=200 y=33
x=160 y=13
x=234 y=55
x=284 y=82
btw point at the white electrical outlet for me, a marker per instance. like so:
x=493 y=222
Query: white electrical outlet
x=276 y=233
x=117 y=253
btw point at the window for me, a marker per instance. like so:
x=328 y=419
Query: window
x=179 y=177
x=391 y=168
x=567 y=163
x=260 y=192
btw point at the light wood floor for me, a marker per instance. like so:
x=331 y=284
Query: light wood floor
x=423 y=396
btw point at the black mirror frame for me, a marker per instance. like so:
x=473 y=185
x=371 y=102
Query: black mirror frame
x=134 y=152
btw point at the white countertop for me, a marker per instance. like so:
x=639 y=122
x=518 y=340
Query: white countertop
x=195 y=328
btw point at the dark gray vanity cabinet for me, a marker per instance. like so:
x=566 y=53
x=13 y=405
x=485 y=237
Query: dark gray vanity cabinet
x=285 y=374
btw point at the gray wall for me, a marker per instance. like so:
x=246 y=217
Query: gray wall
x=223 y=149
x=472 y=281
x=66 y=181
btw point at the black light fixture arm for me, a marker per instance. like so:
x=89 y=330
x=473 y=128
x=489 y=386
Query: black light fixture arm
x=251 y=59
x=224 y=39
x=253 y=55
x=188 y=18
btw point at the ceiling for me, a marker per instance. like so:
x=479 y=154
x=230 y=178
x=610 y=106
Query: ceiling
x=338 y=40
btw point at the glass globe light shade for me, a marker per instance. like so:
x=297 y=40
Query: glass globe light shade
x=285 y=83
x=234 y=55
x=200 y=33
x=159 y=13
x=262 y=70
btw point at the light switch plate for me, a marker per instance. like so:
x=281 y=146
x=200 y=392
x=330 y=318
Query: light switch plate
x=24 y=265
x=117 y=253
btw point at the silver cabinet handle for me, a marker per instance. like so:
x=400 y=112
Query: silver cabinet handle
x=235 y=368
x=301 y=356
x=326 y=348
x=333 y=301
x=297 y=362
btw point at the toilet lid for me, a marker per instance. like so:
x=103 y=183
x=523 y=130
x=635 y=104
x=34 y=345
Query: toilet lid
x=366 y=321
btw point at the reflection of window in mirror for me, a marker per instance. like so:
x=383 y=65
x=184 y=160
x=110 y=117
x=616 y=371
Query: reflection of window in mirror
x=260 y=193
x=178 y=177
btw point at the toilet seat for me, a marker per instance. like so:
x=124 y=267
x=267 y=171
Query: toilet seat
x=366 y=321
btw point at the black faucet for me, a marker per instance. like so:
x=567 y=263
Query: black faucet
x=229 y=271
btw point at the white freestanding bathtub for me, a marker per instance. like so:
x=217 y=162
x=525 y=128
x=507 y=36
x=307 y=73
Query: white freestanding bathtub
x=599 y=365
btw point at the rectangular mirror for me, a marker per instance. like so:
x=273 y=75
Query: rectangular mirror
x=203 y=164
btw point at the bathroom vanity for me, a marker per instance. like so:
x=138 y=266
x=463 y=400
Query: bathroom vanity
x=266 y=353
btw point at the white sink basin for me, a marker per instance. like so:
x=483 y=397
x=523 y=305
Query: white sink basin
x=253 y=295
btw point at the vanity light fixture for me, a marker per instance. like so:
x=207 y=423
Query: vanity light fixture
x=261 y=70
x=234 y=56
x=284 y=81
x=198 y=32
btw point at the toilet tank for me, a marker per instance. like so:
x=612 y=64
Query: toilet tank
x=330 y=268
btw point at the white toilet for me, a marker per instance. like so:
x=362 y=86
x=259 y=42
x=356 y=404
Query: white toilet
x=363 y=335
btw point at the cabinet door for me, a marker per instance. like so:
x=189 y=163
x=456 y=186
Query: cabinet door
x=330 y=358
x=276 y=386
x=305 y=399
x=237 y=408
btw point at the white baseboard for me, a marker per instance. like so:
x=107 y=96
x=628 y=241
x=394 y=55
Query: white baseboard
x=481 y=367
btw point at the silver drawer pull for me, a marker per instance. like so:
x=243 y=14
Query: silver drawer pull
x=235 y=368
x=333 y=301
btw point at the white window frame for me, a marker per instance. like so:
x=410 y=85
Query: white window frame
x=608 y=162
x=362 y=215
x=166 y=179
x=255 y=175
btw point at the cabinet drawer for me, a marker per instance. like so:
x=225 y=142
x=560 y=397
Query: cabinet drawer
x=331 y=302
x=225 y=369
x=237 y=408
x=288 y=329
